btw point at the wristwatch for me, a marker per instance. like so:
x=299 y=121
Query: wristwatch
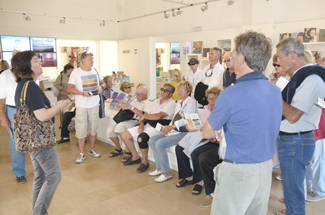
x=132 y=107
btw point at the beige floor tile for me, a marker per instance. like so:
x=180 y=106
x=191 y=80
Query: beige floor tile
x=105 y=186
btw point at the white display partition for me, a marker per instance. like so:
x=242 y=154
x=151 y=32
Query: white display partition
x=107 y=121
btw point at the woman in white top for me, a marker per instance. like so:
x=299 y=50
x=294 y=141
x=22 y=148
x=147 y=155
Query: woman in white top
x=171 y=134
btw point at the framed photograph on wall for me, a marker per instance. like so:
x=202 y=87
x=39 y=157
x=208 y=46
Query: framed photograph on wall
x=197 y=47
x=174 y=53
x=310 y=35
x=283 y=36
x=185 y=50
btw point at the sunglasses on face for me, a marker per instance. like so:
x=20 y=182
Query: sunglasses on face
x=192 y=64
x=166 y=91
x=228 y=60
x=276 y=65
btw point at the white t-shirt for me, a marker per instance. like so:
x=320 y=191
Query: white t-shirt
x=40 y=78
x=8 y=86
x=85 y=81
x=167 y=107
x=214 y=77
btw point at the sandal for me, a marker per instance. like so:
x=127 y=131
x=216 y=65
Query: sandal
x=184 y=182
x=115 y=153
x=197 y=188
x=126 y=158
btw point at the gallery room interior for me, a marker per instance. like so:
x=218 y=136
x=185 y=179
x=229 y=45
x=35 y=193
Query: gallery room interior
x=130 y=36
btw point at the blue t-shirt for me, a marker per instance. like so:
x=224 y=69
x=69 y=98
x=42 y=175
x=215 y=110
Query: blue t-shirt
x=250 y=112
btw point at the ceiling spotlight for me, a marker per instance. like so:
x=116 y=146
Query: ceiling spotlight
x=166 y=15
x=62 y=21
x=102 y=24
x=230 y=2
x=26 y=18
x=174 y=13
x=205 y=7
x=179 y=12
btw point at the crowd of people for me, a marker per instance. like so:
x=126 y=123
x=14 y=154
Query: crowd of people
x=237 y=105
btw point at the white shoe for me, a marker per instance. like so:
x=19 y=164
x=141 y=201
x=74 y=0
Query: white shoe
x=154 y=173
x=94 y=153
x=81 y=157
x=279 y=178
x=163 y=178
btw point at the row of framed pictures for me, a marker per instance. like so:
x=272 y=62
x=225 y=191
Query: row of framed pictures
x=179 y=51
x=307 y=36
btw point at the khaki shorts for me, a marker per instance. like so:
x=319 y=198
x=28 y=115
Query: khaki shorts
x=114 y=130
x=86 y=120
x=147 y=129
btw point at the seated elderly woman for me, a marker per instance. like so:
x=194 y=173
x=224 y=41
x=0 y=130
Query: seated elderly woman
x=192 y=145
x=170 y=134
x=126 y=87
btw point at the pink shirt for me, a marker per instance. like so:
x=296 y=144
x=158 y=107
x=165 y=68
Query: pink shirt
x=205 y=114
x=167 y=107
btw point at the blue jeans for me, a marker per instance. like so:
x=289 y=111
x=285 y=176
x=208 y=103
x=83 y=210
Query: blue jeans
x=17 y=158
x=159 y=143
x=295 y=153
x=316 y=169
x=47 y=176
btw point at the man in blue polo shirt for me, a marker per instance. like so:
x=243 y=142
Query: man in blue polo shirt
x=250 y=114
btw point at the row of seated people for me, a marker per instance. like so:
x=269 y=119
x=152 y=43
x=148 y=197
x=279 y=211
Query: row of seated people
x=160 y=125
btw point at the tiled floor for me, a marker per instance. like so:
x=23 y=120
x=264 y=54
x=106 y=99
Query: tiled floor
x=104 y=186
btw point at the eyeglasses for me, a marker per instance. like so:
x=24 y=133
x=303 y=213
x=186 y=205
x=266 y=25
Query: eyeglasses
x=181 y=90
x=316 y=57
x=165 y=90
x=213 y=98
x=139 y=94
x=228 y=60
x=276 y=65
x=127 y=87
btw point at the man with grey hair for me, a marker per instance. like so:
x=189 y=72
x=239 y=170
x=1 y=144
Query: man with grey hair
x=137 y=106
x=160 y=111
x=315 y=171
x=300 y=118
x=8 y=86
x=212 y=74
x=249 y=112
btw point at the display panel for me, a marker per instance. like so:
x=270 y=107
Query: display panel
x=7 y=57
x=9 y=43
x=42 y=44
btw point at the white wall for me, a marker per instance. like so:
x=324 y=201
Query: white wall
x=139 y=64
x=49 y=26
x=108 y=57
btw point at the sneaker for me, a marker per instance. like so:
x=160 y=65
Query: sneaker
x=81 y=157
x=21 y=179
x=314 y=197
x=94 y=153
x=207 y=201
x=279 y=177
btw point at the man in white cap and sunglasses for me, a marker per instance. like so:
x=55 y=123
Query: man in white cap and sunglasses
x=193 y=76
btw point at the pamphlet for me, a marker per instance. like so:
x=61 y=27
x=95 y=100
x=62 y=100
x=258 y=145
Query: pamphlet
x=193 y=120
x=282 y=83
x=320 y=102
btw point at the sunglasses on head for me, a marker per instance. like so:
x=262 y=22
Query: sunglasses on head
x=276 y=65
x=166 y=91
